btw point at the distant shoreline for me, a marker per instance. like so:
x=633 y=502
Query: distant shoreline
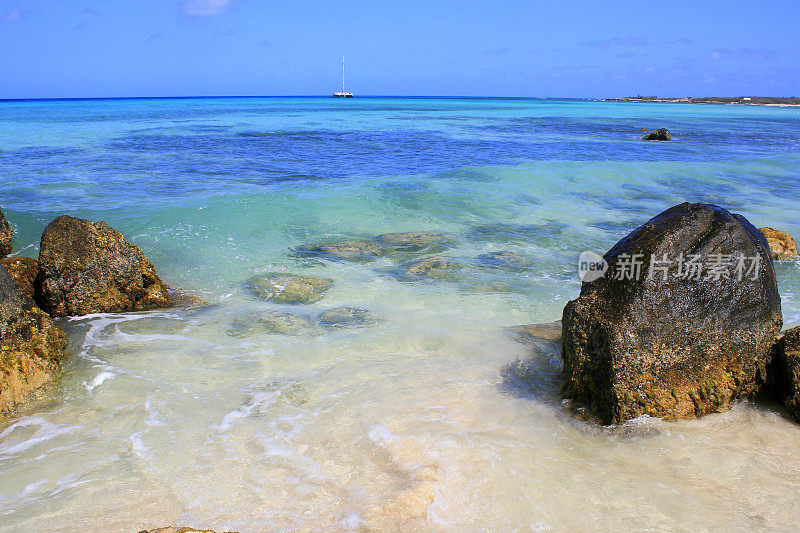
x=741 y=100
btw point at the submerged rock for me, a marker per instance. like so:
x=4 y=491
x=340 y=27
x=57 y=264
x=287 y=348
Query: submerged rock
x=347 y=317
x=658 y=135
x=435 y=266
x=785 y=371
x=349 y=249
x=289 y=288
x=549 y=233
x=31 y=346
x=88 y=267
x=23 y=270
x=678 y=347
x=781 y=244
x=414 y=241
x=549 y=332
x=185 y=299
x=271 y=322
x=6 y=235
x=510 y=260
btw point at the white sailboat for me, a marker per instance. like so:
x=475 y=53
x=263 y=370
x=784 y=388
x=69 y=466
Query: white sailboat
x=342 y=93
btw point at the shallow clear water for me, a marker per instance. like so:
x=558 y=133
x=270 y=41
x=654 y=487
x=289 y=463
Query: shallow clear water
x=434 y=418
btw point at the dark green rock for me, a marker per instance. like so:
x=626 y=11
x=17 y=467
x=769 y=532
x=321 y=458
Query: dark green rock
x=416 y=241
x=288 y=288
x=429 y=267
x=362 y=250
x=347 y=317
x=271 y=322
x=507 y=260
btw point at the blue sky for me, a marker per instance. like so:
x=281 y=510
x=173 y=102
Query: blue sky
x=96 y=48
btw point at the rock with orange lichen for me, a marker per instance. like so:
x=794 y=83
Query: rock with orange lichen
x=6 y=233
x=88 y=267
x=31 y=346
x=23 y=270
x=781 y=244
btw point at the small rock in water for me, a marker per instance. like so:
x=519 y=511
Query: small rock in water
x=347 y=317
x=549 y=233
x=416 y=241
x=350 y=250
x=547 y=332
x=781 y=244
x=510 y=260
x=185 y=299
x=271 y=322
x=436 y=266
x=289 y=288
x=23 y=270
x=658 y=135
x=6 y=234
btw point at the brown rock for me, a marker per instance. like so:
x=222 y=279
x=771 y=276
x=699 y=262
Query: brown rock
x=674 y=347
x=31 y=346
x=781 y=244
x=785 y=371
x=6 y=234
x=88 y=267
x=658 y=135
x=23 y=270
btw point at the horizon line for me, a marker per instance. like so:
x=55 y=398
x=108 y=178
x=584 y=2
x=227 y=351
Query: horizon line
x=73 y=98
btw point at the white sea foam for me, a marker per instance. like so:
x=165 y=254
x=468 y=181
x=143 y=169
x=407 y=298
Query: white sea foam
x=44 y=431
x=98 y=380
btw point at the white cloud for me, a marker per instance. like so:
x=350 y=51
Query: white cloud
x=205 y=8
x=14 y=15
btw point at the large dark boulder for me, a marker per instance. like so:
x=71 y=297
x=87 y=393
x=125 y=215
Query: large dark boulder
x=678 y=347
x=6 y=233
x=785 y=371
x=658 y=135
x=31 y=346
x=88 y=267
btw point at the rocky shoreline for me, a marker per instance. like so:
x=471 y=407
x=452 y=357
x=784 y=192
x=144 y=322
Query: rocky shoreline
x=663 y=344
x=671 y=348
x=83 y=268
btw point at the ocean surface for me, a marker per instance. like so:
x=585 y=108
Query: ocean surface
x=430 y=417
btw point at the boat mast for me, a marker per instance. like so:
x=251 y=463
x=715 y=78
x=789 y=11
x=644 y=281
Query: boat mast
x=342 y=73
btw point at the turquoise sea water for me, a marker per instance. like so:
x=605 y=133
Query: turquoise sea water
x=435 y=418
